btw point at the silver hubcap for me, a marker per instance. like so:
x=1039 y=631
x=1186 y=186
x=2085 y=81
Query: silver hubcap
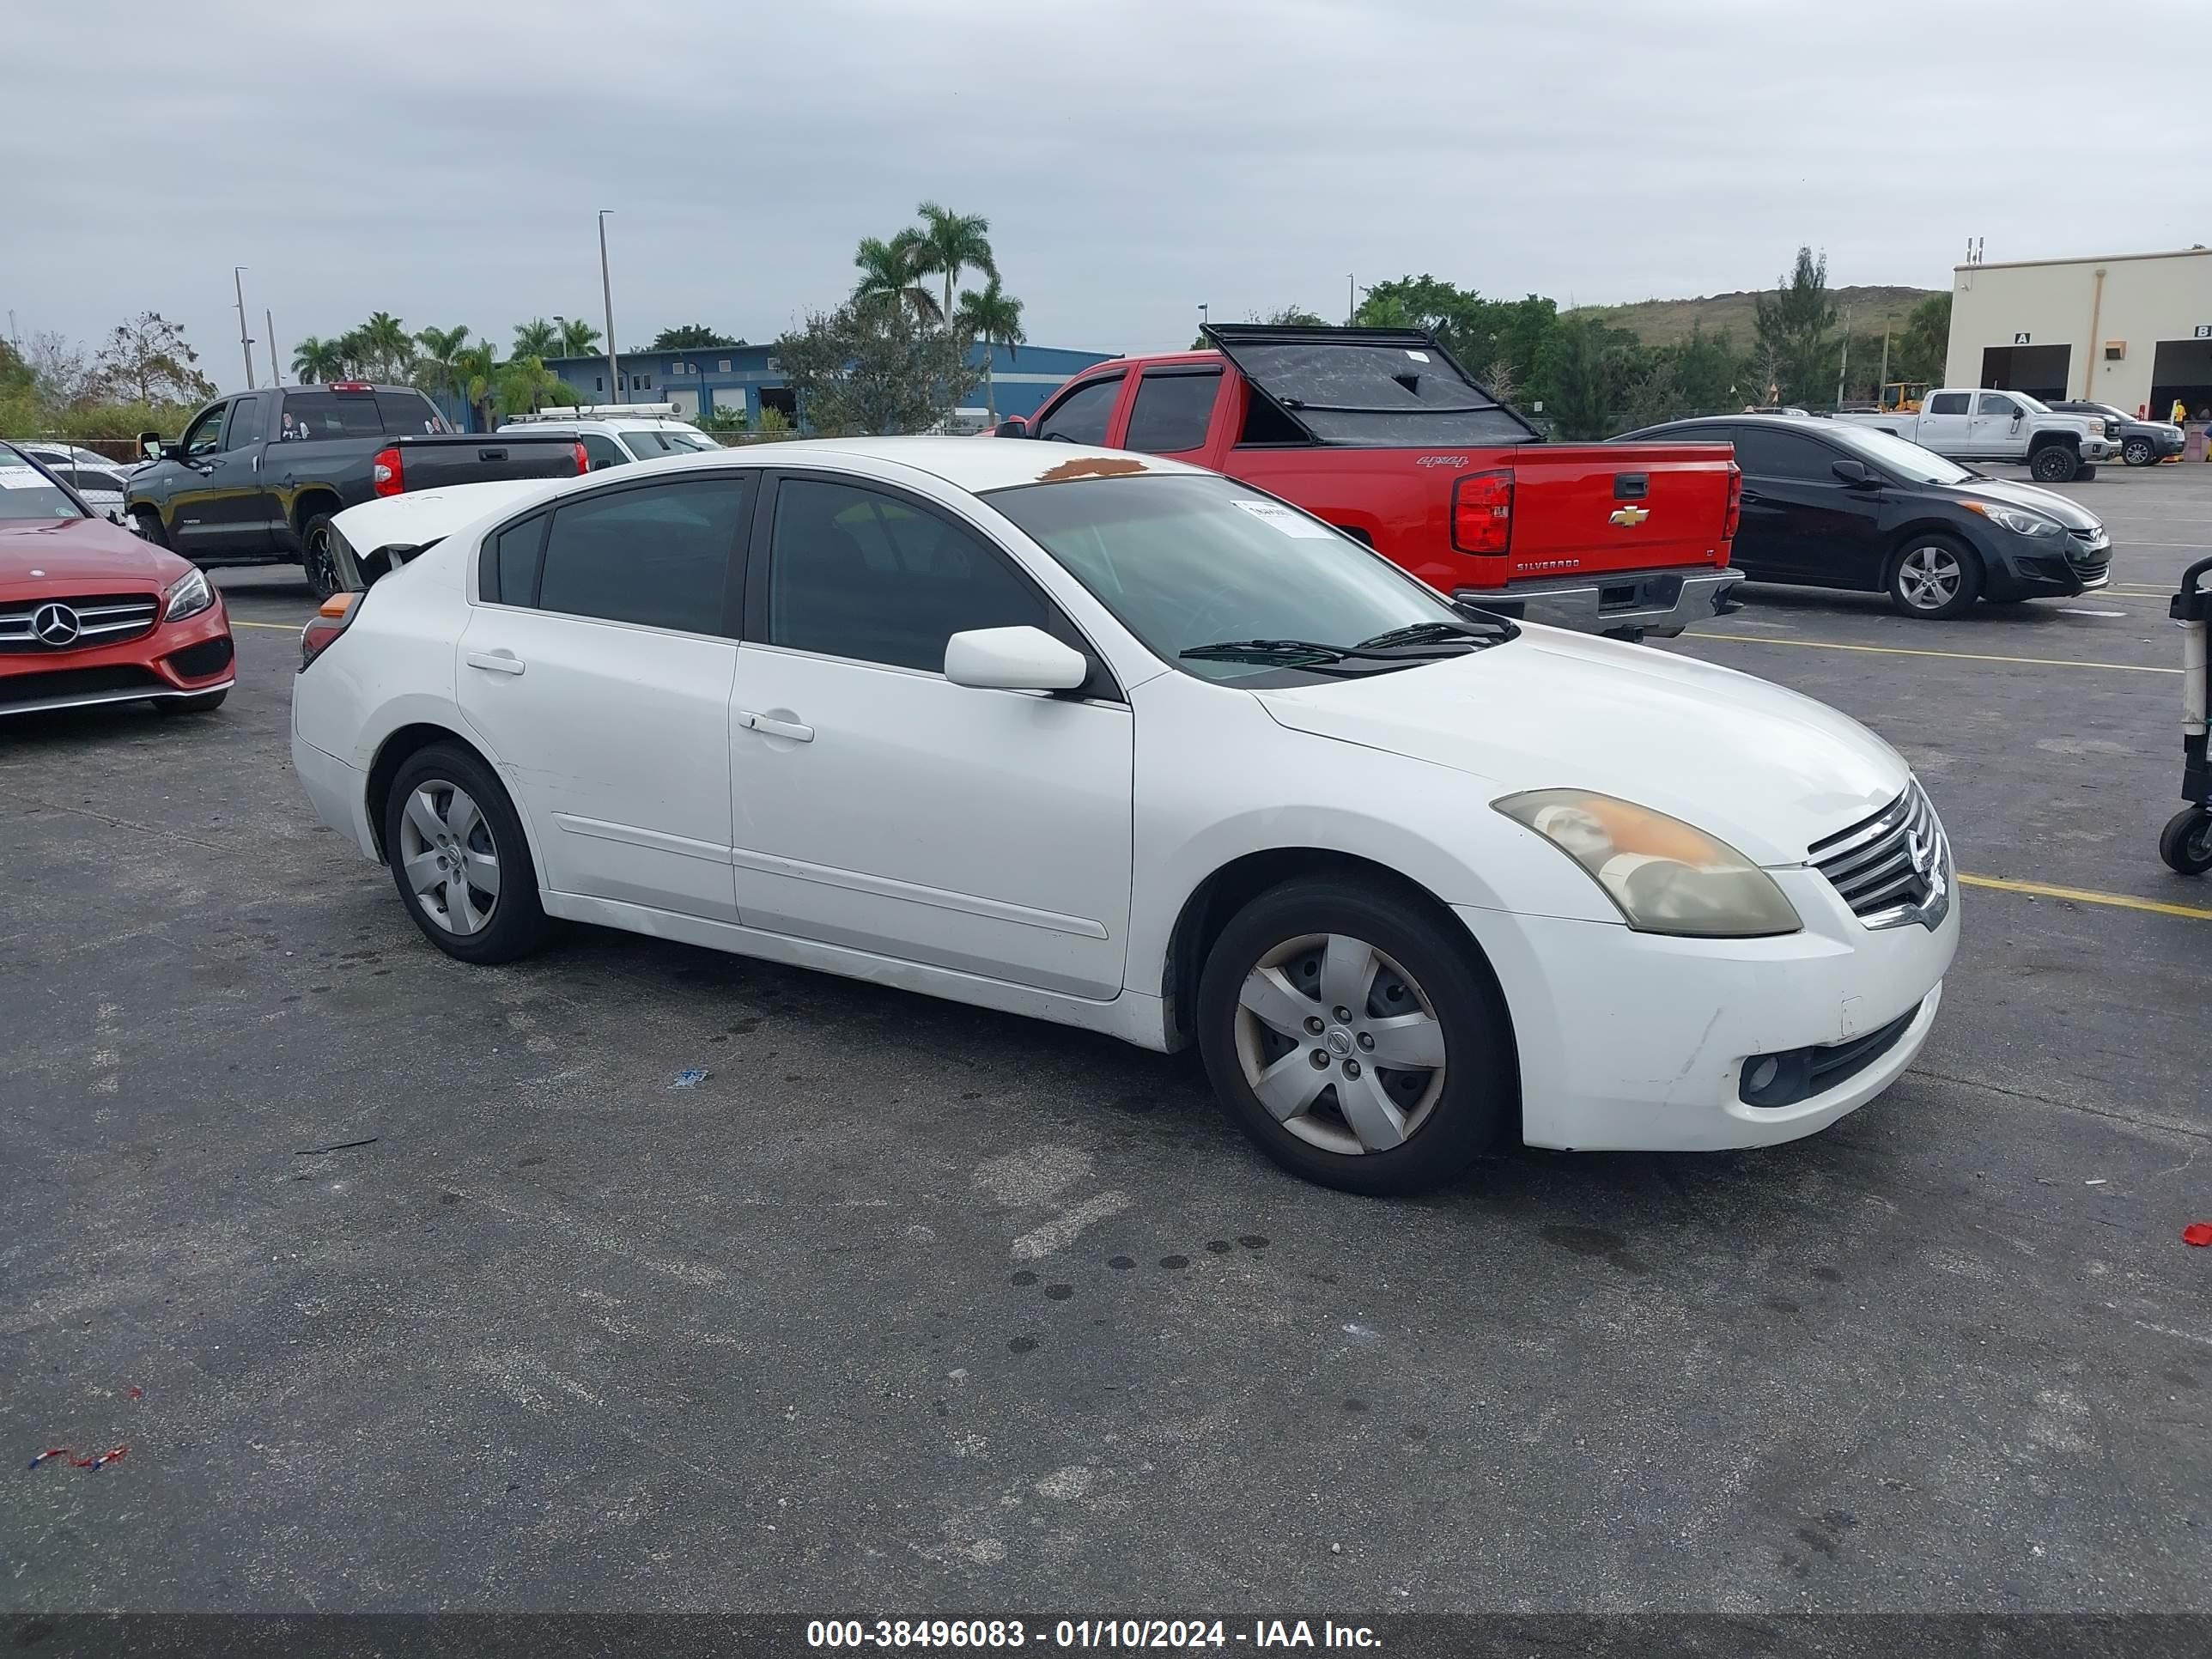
x=1930 y=578
x=1340 y=1043
x=448 y=857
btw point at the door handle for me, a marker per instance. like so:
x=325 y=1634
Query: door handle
x=498 y=662
x=776 y=728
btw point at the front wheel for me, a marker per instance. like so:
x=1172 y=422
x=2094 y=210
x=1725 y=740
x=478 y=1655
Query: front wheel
x=459 y=860
x=2186 y=842
x=2138 y=452
x=1357 y=1037
x=1936 y=579
x=2054 y=463
x=316 y=558
x=147 y=523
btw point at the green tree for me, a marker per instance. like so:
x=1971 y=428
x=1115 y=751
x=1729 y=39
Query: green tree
x=994 y=316
x=1918 y=353
x=387 y=349
x=476 y=370
x=1494 y=339
x=523 y=386
x=1797 y=341
x=1584 y=375
x=578 y=338
x=887 y=273
x=437 y=368
x=147 y=360
x=691 y=336
x=874 y=368
x=535 y=338
x=948 y=243
x=315 y=360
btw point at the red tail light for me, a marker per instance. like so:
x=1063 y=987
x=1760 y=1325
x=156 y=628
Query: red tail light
x=386 y=475
x=1482 y=512
x=583 y=460
x=1735 y=515
x=326 y=625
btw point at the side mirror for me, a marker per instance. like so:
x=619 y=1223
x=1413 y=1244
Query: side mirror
x=1012 y=427
x=149 y=444
x=1853 y=472
x=1013 y=659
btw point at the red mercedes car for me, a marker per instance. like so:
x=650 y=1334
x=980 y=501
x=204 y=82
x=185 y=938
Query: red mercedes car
x=89 y=613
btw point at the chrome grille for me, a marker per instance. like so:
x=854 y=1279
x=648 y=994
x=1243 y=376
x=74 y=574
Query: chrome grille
x=100 y=619
x=1892 y=868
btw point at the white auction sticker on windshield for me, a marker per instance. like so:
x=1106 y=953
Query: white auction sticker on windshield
x=1418 y=356
x=20 y=477
x=1290 y=523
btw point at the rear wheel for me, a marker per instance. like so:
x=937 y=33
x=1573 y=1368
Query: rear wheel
x=315 y=557
x=2186 y=843
x=1356 y=1036
x=2054 y=463
x=458 y=857
x=1934 y=578
x=2138 y=452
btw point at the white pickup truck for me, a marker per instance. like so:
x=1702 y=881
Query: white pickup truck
x=1967 y=423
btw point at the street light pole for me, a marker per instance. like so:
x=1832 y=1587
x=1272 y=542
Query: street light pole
x=1351 y=300
x=275 y=362
x=245 y=340
x=607 y=293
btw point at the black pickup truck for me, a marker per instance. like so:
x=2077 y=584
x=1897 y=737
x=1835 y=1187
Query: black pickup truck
x=257 y=475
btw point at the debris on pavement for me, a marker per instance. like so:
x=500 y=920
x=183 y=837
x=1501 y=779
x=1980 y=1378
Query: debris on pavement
x=97 y=1461
x=342 y=1146
x=2197 y=1232
x=691 y=1079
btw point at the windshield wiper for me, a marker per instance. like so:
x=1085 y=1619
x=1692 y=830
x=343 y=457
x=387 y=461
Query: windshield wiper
x=1488 y=630
x=1298 y=653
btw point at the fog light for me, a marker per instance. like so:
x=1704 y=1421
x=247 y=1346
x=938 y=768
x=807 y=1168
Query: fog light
x=1762 y=1075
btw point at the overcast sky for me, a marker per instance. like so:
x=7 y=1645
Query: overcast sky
x=443 y=161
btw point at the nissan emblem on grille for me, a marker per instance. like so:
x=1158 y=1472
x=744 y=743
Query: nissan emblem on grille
x=54 y=624
x=1892 y=869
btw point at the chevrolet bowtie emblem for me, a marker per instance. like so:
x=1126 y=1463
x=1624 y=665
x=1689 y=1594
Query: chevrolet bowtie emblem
x=1631 y=516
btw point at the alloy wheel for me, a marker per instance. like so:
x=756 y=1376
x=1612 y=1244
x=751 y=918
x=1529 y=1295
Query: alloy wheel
x=1929 y=578
x=1340 y=1043
x=449 y=858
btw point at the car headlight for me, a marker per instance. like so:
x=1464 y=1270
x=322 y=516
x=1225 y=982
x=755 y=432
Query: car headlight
x=188 y=596
x=1664 y=876
x=2017 y=520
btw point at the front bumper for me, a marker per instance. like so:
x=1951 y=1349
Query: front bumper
x=185 y=658
x=2099 y=449
x=1663 y=602
x=2030 y=567
x=1638 y=1042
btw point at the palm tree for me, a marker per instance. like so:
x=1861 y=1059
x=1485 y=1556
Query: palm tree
x=994 y=316
x=521 y=384
x=354 y=352
x=315 y=360
x=390 y=347
x=578 y=338
x=435 y=369
x=535 y=338
x=475 y=375
x=949 y=243
x=888 y=270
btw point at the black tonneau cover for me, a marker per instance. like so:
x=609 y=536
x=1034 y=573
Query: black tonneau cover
x=1369 y=387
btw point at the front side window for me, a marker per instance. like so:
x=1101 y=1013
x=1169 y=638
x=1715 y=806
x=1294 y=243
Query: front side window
x=1948 y=403
x=1081 y=417
x=855 y=573
x=1899 y=457
x=1766 y=454
x=1993 y=403
x=1172 y=413
x=659 y=556
x=204 y=435
x=603 y=450
x=1186 y=560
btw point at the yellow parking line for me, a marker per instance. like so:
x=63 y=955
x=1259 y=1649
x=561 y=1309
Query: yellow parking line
x=1955 y=656
x=2082 y=896
x=287 y=628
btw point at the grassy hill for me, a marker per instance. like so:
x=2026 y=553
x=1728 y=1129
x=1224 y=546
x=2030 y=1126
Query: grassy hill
x=1662 y=322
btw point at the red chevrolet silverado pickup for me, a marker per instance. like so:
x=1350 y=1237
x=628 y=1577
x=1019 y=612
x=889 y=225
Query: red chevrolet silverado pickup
x=1381 y=434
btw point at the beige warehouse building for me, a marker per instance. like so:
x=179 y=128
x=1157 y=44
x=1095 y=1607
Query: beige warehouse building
x=2133 y=329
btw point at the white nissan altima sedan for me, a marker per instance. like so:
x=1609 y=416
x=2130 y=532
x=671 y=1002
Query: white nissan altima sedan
x=1115 y=742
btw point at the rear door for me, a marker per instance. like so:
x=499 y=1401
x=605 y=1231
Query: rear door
x=221 y=497
x=1944 y=423
x=1800 y=522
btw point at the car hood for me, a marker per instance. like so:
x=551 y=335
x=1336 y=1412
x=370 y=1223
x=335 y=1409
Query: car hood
x=69 y=553
x=2064 y=509
x=1767 y=770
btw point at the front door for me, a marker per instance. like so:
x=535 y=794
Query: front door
x=218 y=501
x=881 y=807
x=596 y=665
x=1801 y=523
x=2000 y=429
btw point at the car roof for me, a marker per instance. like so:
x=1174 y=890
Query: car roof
x=974 y=464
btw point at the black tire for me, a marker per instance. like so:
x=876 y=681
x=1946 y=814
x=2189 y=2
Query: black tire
x=149 y=525
x=201 y=704
x=1922 y=556
x=2139 y=452
x=2054 y=463
x=322 y=570
x=516 y=923
x=2084 y=472
x=2186 y=844
x=1455 y=1111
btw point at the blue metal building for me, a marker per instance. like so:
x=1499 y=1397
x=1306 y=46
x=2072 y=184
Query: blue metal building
x=746 y=377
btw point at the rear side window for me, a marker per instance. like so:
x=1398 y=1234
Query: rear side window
x=1082 y=416
x=1172 y=413
x=1948 y=403
x=658 y=556
x=408 y=412
x=322 y=415
x=510 y=573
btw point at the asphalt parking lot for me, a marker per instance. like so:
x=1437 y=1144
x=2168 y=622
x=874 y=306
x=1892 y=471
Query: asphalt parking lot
x=912 y=1308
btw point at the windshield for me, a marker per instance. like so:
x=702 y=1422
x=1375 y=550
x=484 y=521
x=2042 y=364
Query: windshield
x=1346 y=393
x=2035 y=405
x=651 y=443
x=27 y=493
x=1899 y=456
x=1186 y=560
